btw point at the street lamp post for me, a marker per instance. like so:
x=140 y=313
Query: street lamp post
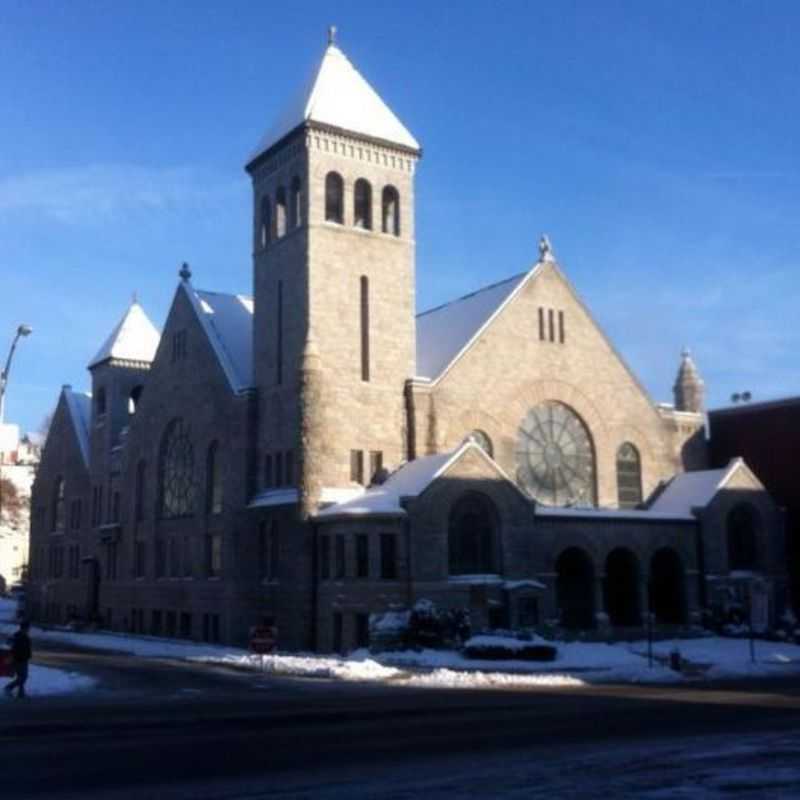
x=22 y=330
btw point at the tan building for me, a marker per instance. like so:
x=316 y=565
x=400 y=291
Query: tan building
x=319 y=453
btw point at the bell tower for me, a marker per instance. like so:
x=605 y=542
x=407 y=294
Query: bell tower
x=333 y=222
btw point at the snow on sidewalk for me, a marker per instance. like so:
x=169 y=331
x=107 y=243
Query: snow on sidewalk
x=577 y=664
x=48 y=681
x=41 y=680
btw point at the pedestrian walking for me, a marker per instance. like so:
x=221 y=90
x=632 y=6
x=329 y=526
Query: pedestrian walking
x=20 y=656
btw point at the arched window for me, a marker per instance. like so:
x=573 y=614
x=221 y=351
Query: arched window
x=471 y=536
x=334 y=198
x=141 y=468
x=390 y=207
x=280 y=212
x=743 y=524
x=362 y=204
x=58 y=505
x=295 y=205
x=176 y=472
x=133 y=399
x=265 y=223
x=629 y=476
x=213 y=481
x=481 y=438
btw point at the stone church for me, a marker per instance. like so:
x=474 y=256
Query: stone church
x=317 y=452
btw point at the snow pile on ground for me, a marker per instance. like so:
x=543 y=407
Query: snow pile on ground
x=308 y=666
x=360 y=667
x=451 y=679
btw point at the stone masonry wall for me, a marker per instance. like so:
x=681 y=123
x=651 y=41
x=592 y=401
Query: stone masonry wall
x=509 y=370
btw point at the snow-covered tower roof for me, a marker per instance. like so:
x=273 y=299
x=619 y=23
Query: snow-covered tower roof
x=339 y=97
x=134 y=339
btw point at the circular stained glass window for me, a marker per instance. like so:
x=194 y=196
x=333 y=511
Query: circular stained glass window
x=555 y=457
x=177 y=472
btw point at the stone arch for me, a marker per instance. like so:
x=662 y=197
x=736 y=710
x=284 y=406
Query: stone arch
x=621 y=588
x=575 y=588
x=667 y=587
x=742 y=527
x=473 y=533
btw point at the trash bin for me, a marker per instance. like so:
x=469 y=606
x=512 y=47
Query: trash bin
x=6 y=664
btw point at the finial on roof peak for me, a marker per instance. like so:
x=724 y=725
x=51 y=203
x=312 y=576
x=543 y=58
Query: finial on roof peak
x=135 y=298
x=185 y=272
x=686 y=353
x=331 y=34
x=545 y=249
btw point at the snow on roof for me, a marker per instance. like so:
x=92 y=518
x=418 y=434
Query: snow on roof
x=337 y=95
x=134 y=338
x=79 y=405
x=228 y=322
x=410 y=480
x=445 y=331
x=690 y=490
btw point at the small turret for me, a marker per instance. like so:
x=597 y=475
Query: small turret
x=689 y=388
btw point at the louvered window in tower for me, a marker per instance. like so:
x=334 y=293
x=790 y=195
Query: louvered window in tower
x=390 y=208
x=362 y=204
x=334 y=198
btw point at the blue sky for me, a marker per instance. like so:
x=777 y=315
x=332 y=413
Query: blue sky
x=656 y=143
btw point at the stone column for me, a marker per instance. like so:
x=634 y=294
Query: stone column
x=600 y=614
x=644 y=600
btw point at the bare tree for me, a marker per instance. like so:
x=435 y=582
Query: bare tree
x=12 y=504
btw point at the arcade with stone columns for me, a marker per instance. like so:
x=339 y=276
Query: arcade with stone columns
x=317 y=452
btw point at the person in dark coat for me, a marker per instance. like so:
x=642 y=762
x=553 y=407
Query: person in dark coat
x=21 y=653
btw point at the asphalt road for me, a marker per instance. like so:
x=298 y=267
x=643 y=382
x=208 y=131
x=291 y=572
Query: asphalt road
x=156 y=728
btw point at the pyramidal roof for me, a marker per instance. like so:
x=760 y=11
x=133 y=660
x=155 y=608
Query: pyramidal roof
x=338 y=96
x=134 y=338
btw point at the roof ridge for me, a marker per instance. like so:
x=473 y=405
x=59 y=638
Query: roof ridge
x=473 y=293
x=225 y=294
